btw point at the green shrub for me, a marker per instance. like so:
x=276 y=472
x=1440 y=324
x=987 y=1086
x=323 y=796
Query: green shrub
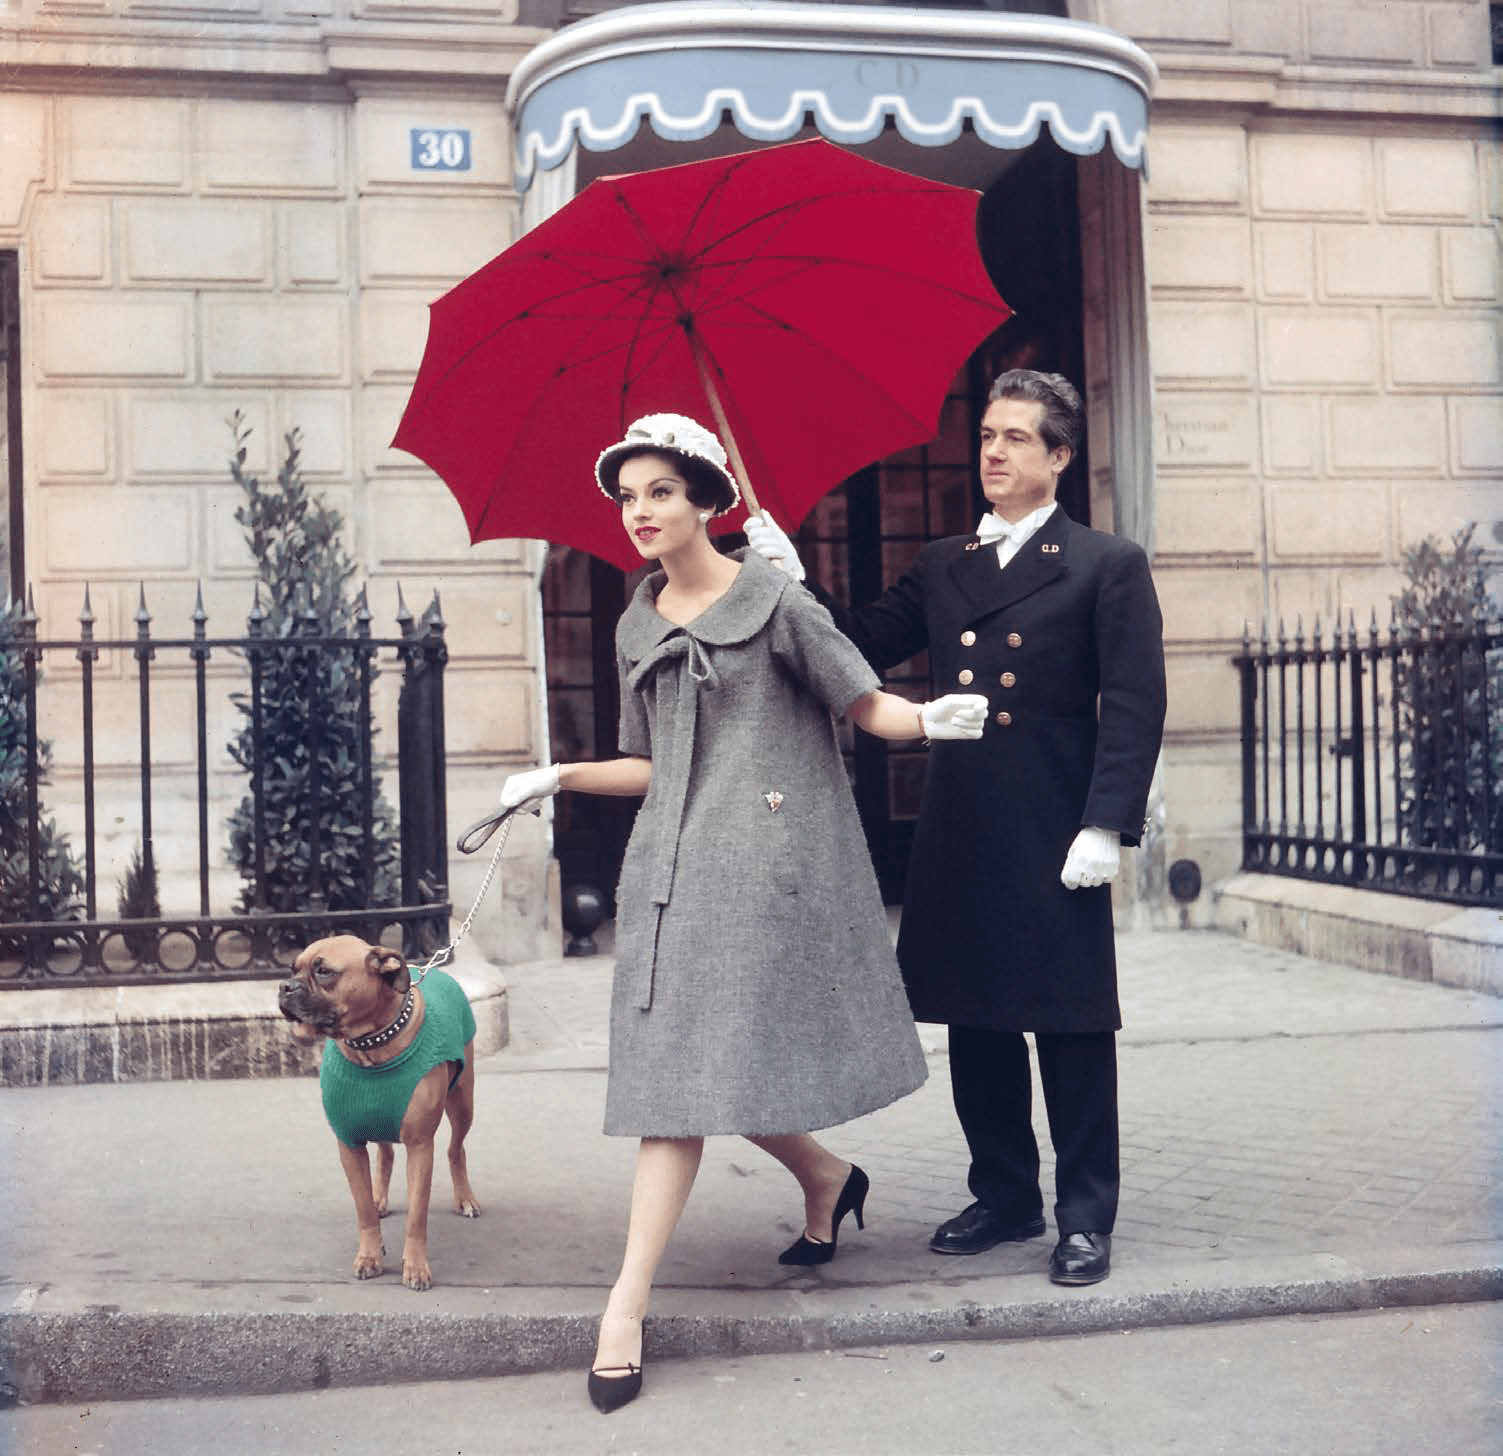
x=1449 y=694
x=60 y=885
x=305 y=574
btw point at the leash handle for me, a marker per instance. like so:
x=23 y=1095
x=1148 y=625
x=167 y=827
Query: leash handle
x=469 y=841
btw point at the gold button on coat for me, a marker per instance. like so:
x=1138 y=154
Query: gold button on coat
x=1014 y=639
x=967 y=639
x=1008 y=679
x=1005 y=719
x=965 y=677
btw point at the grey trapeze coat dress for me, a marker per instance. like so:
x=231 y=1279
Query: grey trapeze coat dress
x=756 y=989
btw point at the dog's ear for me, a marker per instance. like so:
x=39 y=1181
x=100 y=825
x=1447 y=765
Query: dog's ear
x=391 y=968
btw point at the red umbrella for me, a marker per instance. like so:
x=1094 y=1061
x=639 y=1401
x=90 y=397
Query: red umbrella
x=809 y=305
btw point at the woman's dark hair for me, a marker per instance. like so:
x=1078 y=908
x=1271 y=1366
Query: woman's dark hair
x=1063 y=419
x=704 y=485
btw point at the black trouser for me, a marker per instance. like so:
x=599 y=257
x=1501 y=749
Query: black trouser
x=993 y=1087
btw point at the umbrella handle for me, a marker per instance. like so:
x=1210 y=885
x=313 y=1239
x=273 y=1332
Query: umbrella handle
x=738 y=466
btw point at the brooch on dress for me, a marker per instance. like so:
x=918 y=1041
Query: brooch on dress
x=774 y=800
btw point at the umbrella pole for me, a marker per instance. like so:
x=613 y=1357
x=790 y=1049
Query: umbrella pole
x=738 y=466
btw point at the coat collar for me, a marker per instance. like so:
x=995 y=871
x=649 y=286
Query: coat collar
x=735 y=617
x=1042 y=559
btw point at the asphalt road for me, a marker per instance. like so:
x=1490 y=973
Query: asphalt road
x=1407 y=1382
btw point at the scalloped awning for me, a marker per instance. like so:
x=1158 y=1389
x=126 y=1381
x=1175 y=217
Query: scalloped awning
x=771 y=69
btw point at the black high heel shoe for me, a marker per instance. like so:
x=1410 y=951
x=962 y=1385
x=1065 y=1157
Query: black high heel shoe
x=852 y=1200
x=610 y=1390
x=613 y=1386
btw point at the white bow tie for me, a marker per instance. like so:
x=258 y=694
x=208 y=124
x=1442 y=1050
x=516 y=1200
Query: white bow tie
x=994 y=528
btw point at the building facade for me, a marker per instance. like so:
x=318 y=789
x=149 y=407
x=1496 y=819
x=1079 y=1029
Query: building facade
x=1288 y=331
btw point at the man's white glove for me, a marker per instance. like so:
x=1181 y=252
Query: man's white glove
x=954 y=716
x=1094 y=859
x=528 y=789
x=768 y=539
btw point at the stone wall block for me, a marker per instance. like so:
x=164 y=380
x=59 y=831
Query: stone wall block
x=311 y=245
x=76 y=433
x=1471 y=265
x=428 y=241
x=1312 y=175
x=272 y=147
x=1268 y=28
x=1292 y=440
x=1206 y=21
x=1329 y=348
x=384 y=128
x=1477 y=429
x=1285 y=254
x=1431 y=177
x=1378 y=437
x=1203 y=344
x=489 y=711
x=379 y=410
x=1447 y=507
x=1204 y=166
x=186 y=435
x=1392 y=34
x=1206 y=605
x=1209 y=254
x=1312 y=518
x=1459 y=36
x=1380 y=263
x=1200 y=520
x=196 y=242
x=137 y=532
x=1201 y=431
x=286 y=339
x=100 y=337
x=1451 y=351
x=1203 y=690
x=117 y=718
x=393 y=332
x=418 y=524
x=125 y=143
x=487 y=621
x=72 y=243
x=25 y=130
x=323 y=420
x=427 y=10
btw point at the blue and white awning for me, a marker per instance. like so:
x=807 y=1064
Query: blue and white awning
x=771 y=69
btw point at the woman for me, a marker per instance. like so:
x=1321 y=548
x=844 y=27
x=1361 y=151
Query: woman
x=756 y=990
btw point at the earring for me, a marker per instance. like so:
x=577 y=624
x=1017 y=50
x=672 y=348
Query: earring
x=704 y=517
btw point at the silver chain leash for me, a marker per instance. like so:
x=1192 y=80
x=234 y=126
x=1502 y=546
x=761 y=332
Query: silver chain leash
x=475 y=836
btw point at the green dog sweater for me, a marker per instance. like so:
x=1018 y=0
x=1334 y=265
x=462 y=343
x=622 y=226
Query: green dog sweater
x=366 y=1104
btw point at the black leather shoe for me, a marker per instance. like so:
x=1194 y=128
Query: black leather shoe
x=1081 y=1259
x=978 y=1229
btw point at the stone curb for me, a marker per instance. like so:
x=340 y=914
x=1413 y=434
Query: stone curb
x=104 y=1355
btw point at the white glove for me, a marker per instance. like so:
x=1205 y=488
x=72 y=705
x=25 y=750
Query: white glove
x=529 y=788
x=1094 y=859
x=954 y=716
x=768 y=539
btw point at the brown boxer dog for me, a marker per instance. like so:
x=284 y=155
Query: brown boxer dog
x=362 y=998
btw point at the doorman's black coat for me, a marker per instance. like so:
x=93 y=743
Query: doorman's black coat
x=990 y=938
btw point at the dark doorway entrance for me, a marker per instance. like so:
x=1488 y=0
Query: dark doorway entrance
x=860 y=538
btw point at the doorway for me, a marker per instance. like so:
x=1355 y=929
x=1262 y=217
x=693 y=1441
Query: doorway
x=859 y=539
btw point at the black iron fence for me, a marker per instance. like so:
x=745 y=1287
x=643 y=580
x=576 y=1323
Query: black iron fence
x=1375 y=758
x=254 y=939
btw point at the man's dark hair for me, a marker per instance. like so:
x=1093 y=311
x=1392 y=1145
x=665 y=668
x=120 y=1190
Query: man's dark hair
x=1063 y=419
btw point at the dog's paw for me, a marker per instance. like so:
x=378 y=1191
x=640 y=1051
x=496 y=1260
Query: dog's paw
x=370 y=1262
x=416 y=1274
x=466 y=1205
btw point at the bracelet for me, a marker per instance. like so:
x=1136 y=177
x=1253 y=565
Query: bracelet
x=923 y=732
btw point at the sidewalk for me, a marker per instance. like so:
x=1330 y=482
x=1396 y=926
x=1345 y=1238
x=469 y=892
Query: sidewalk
x=1297 y=1137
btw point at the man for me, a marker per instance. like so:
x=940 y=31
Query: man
x=1007 y=918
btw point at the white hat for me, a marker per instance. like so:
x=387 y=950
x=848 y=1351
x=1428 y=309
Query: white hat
x=672 y=435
